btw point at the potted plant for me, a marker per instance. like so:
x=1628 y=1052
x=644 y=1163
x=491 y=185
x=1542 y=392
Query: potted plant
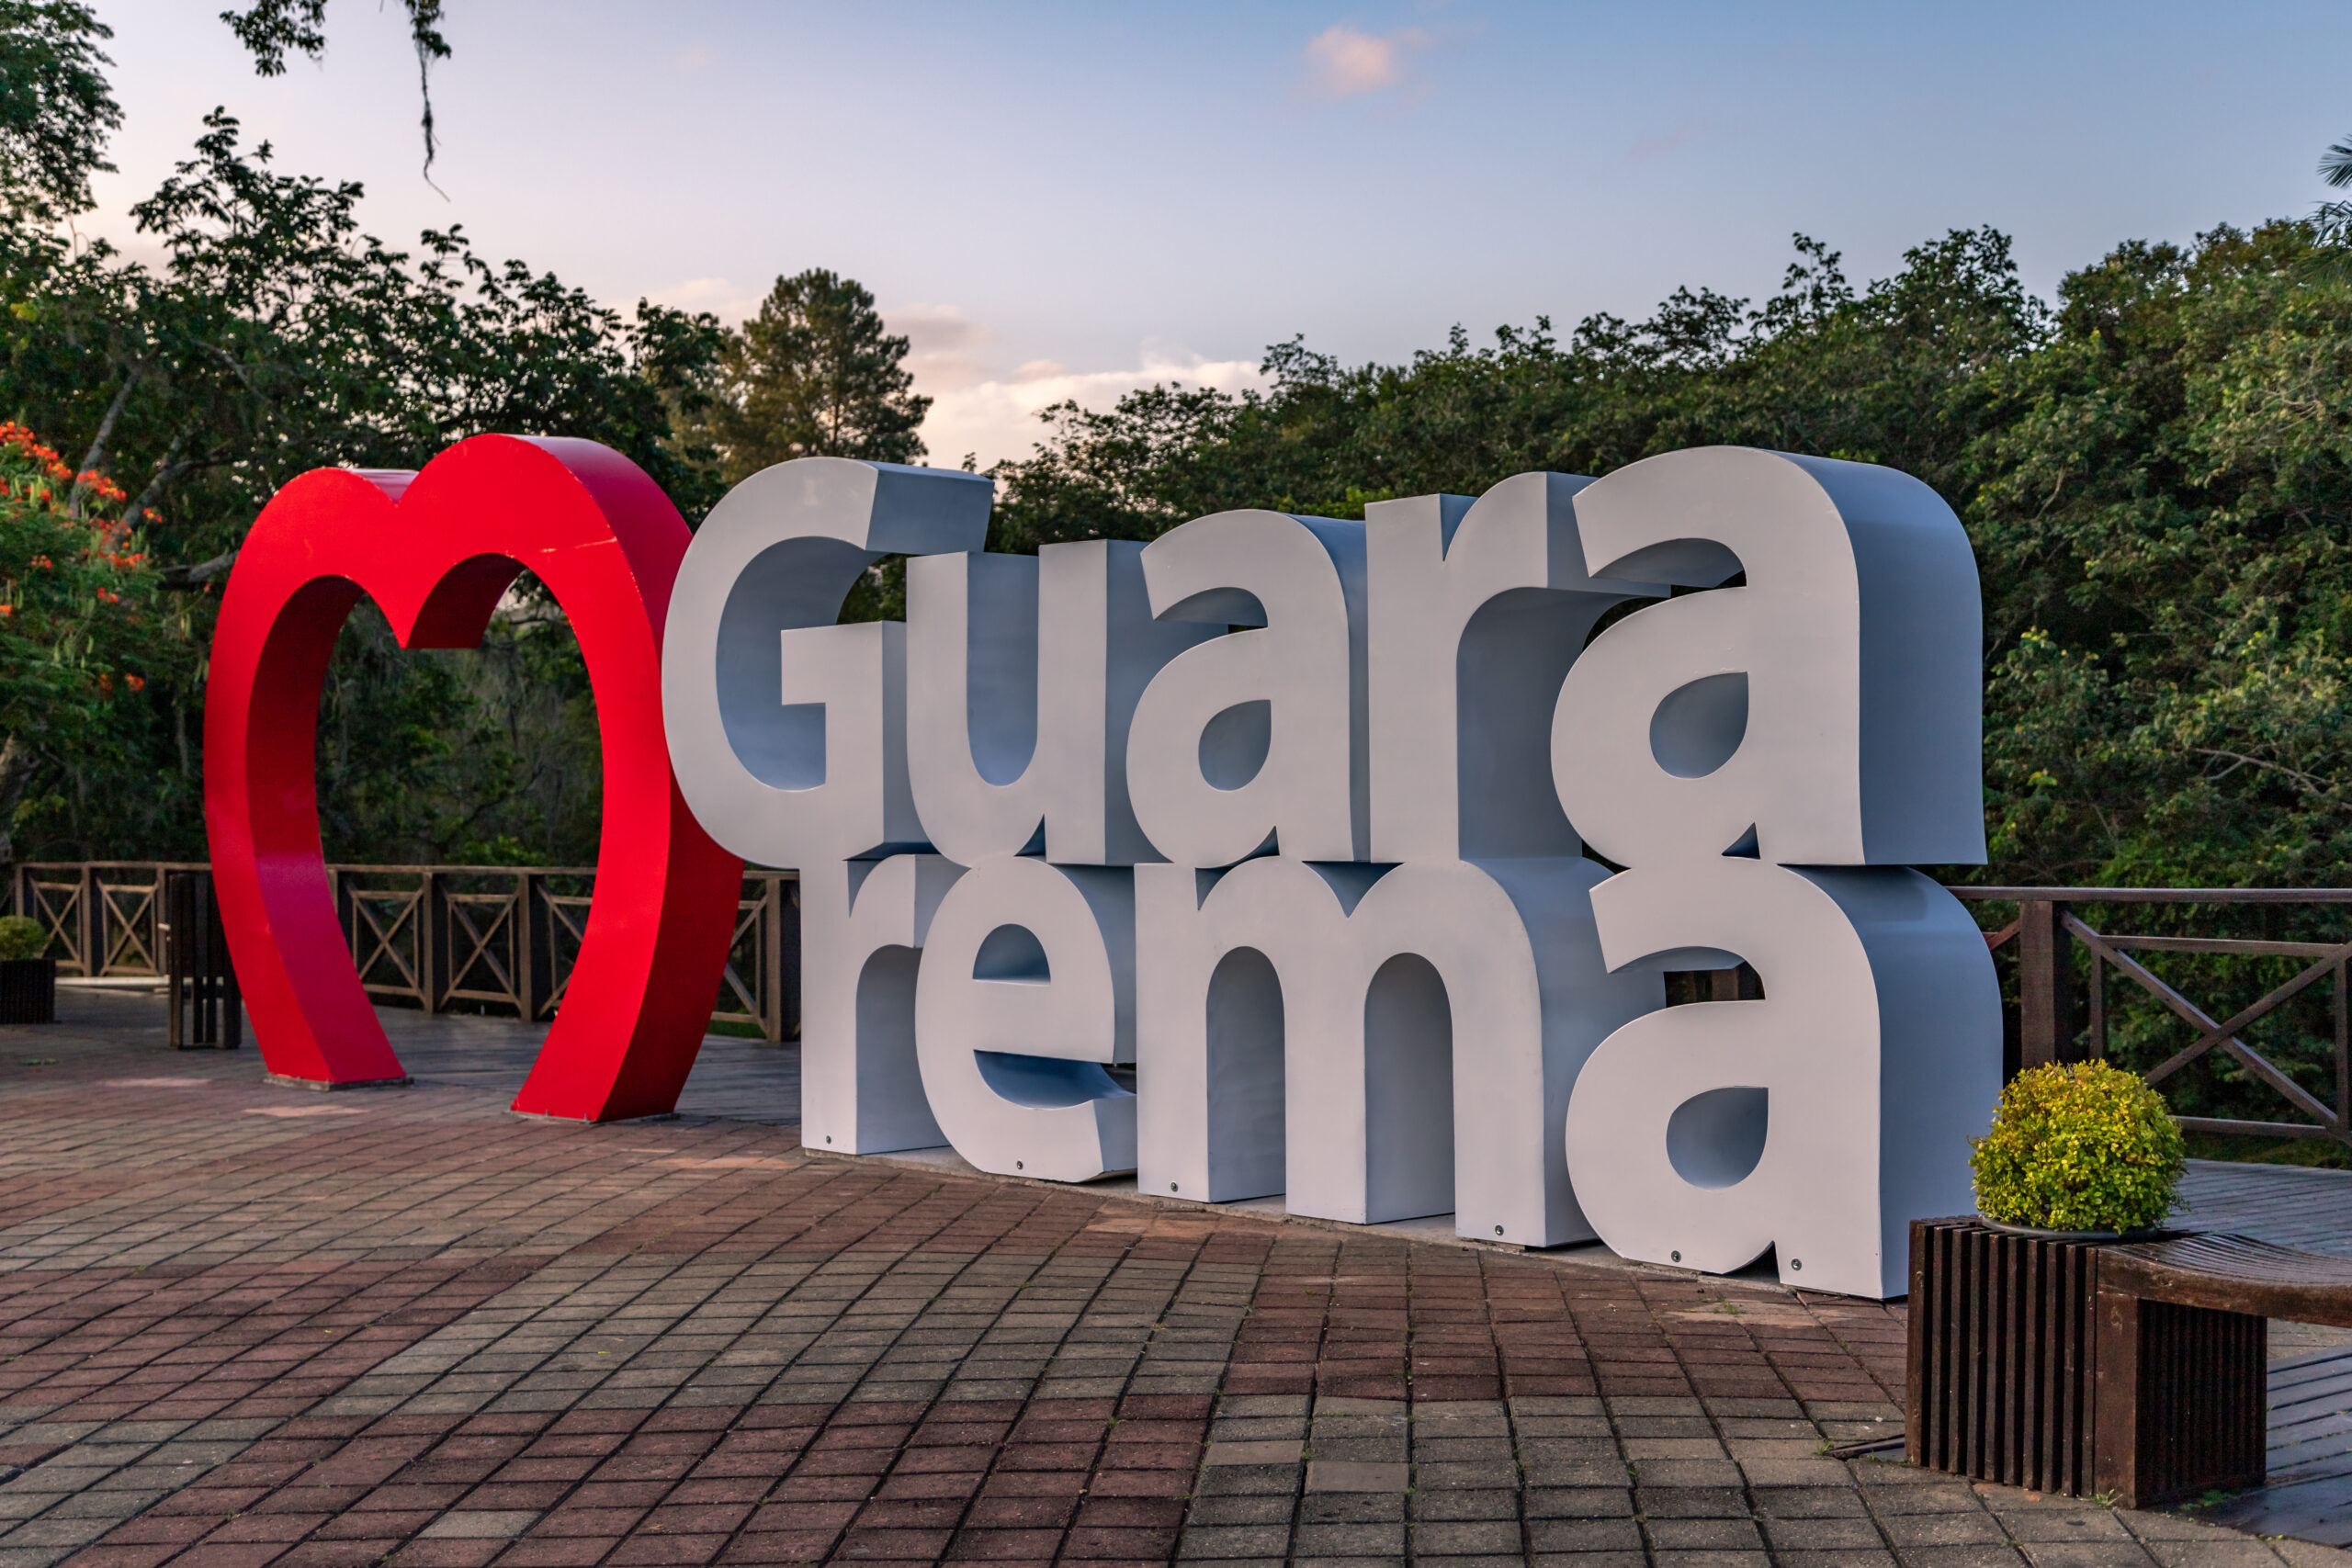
x=2002 y=1368
x=2078 y=1151
x=28 y=980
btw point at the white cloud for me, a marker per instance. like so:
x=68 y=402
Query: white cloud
x=942 y=344
x=978 y=407
x=723 y=297
x=997 y=418
x=1343 y=62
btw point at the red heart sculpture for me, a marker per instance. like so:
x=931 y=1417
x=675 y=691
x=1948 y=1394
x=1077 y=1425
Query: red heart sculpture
x=435 y=551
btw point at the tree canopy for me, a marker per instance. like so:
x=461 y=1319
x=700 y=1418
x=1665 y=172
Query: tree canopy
x=2156 y=474
x=82 y=630
x=815 y=374
x=56 y=109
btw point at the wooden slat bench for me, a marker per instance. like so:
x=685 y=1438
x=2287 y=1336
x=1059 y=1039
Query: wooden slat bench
x=2136 y=1370
x=2183 y=1362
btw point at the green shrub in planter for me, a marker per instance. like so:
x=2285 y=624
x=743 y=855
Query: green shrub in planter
x=2078 y=1147
x=21 y=937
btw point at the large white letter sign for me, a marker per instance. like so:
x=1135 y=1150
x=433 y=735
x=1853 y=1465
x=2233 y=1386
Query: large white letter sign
x=1027 y=987
x=862 y=930
x=1476 y=612
x=1023 y=675
x=1374 y=1042
x=1256 y=737
x=787 y=732
x=1377 y=973
x=1834 y=703
x=1820 y=1121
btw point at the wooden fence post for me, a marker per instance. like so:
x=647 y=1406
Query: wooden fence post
x=787 y=975
x=531 y=985
x=2045 y=984
x=429 y=945
x=1735 y=985
x=771 y=960
x=92 y=929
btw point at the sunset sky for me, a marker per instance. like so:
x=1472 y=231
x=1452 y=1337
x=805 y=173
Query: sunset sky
x=1058 y=201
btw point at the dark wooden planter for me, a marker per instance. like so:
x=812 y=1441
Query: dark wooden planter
x=2021 y=1372
x=28 y=990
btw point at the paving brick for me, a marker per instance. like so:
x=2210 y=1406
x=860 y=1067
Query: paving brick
x=442 y=1337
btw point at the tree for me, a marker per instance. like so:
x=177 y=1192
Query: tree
x=277 y=336
x=2334 y=219
x=815 y=375
x=2164 y=515
x=81 y=627
x=55 y=107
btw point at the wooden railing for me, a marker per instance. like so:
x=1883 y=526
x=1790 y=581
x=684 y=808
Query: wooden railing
x=2283 y=951
x=444 y=938
x=2277 y=1062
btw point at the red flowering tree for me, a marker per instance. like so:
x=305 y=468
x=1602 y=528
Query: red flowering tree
x=81 y=627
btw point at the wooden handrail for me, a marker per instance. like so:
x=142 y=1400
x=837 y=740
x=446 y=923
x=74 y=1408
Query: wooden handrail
x=440 y=943
x=445 y=941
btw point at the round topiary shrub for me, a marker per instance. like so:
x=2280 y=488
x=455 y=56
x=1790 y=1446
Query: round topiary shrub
x=2078 y=1147
x=21 y=937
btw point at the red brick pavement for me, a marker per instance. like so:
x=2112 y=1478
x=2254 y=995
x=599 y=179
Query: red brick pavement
x=243 y=1325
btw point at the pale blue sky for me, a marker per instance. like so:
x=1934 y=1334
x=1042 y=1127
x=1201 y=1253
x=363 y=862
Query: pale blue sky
x=1066 y=199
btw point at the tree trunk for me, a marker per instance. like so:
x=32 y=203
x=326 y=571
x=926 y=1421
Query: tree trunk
x=16 y=772
x=98 y=452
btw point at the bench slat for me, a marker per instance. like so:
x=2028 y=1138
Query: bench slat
x=2233 y=1273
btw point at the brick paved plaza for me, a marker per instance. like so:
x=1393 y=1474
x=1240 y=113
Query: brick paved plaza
x=241 y=1324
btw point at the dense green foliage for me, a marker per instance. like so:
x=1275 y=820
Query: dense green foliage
x=2078 y=1147
x=2158 y=474
x=2156 y=471
x=82 y=629
x=277 y=337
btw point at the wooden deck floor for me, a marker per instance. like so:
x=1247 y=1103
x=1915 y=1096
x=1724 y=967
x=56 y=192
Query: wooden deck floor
x=2310 y=1494
x=2291 y=1206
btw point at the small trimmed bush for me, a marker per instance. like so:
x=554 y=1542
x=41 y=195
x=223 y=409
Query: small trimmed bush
x=21 y=937
x=2078 y=1147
